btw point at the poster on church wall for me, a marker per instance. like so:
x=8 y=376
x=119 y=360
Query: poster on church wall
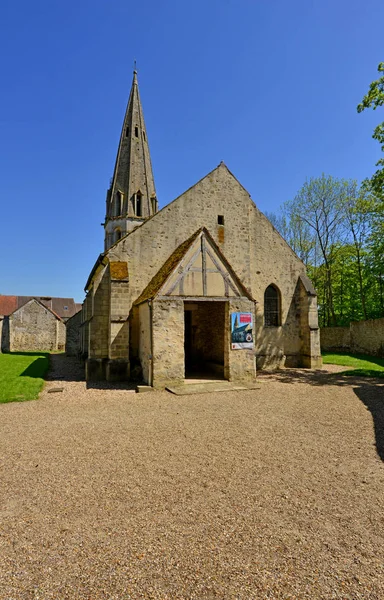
x=241 y=331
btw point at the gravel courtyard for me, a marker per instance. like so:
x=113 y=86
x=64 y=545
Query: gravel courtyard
x=269 y=493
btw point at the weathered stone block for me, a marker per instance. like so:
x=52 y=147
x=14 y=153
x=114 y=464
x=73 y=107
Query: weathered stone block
x=117 y=370
x=95 y=369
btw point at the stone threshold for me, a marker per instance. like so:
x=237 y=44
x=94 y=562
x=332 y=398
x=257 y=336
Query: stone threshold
x=208 y=386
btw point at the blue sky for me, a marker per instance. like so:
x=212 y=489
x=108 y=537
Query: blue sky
x=268 y=86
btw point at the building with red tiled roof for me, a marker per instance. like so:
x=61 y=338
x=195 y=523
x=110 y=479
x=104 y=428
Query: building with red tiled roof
x=64 y=308
x=7 y=305
x=32 y=327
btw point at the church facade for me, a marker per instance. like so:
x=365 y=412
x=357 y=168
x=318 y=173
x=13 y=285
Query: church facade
x=205 y=285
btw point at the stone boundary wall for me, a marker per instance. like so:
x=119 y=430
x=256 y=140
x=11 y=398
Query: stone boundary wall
x=335 y=338
x=365 y=337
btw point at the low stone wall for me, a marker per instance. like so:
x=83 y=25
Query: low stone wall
x=335 y=338
x=366 y=337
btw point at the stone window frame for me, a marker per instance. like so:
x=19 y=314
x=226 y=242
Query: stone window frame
x=117 y=234
x=119 y=203
x=272 y=306
x=138 y=204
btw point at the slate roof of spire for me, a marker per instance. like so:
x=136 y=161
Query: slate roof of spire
x=133 y=168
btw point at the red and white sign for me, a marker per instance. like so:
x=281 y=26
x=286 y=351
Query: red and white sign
x=245 y=318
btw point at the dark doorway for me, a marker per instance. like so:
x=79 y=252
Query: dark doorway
x=204 y=338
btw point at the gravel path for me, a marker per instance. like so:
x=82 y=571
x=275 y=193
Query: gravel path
x=269 y=493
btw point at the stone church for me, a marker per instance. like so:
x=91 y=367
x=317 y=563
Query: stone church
x=203 y=287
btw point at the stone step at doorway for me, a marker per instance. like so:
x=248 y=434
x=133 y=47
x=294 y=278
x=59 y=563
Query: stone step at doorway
x=205 y=386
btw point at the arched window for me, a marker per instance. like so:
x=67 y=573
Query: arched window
x=117 y=234
x=154 y=204
x=272 y=307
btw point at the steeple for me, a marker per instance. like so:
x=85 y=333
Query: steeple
x=131 y=198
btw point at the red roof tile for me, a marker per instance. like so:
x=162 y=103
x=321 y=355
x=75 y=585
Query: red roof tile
x=7 y=304
x=62 y=307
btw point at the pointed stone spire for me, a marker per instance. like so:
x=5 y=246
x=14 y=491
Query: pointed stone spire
x=131 y=198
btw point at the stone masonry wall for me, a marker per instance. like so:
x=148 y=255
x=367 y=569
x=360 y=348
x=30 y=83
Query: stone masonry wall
x=310 y=338
x=239 y=365
x=255 y=250
x=86 y=314
x=61 y=333
x=335 y=338
x=145 y=350
x=168 y=342
x=33 y=327
x=99 y=318
x=119 y=327
x=368 y=337
x=73 y=342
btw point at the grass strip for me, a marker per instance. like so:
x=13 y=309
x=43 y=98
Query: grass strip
x=22 y=375
x=362 y=365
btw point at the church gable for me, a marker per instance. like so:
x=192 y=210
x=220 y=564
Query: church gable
x=197 y=268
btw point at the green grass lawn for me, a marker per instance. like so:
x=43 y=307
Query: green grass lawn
x=362 y=365
x=22 y=375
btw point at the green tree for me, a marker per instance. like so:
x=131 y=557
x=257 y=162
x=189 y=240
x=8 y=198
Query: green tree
x=375 y=249
x=337 y=229
x=319 y=206
x=357 y=207
x=296 y=233
x=373 y=99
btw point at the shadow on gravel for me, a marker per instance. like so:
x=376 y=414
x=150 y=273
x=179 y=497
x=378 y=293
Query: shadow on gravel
x=65 y=368
x=70 y=368
x=107 y=385
x=370 y=392
x=373 y=398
